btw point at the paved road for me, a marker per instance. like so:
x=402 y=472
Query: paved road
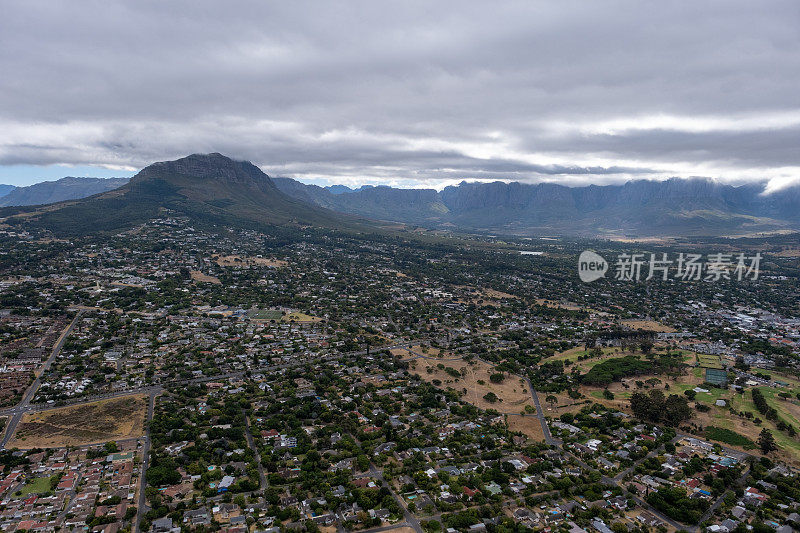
x=410 y=520
x=718 y=502
x=548 y=438
x=21 y=408
x=151 y=400
x=262 y=478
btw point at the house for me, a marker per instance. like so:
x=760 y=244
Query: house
x=197 y=517
x=470 y=493
x=162 y=525
x=601 y=526
x=593 y=444
x=493 y=488
x=754 y=496
x=648 y=519
x=526 y=516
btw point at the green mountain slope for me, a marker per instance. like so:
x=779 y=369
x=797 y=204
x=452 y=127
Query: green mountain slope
x=208 y=188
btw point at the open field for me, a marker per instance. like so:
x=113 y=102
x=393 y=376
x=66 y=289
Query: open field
x=264 y=314
x=484 y=296
x=204 y=278
x=473 y=383
x=527 y=425
x=557 y=305
x=244 y=261
x=585 y=365
x=77 y=425
x=787 y=410
x=300 y=317
x=38 y=485
x=498 y=295
x=402 y=529
x=650 y=325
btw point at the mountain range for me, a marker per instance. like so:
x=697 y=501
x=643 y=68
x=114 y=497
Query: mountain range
x=643 y=208
x=215 y=189
x=48 y=192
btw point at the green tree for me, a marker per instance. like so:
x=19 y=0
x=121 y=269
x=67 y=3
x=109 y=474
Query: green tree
x=766 y=441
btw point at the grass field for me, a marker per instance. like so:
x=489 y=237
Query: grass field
x=719 y=423
x=727 y=436
x=265 y=314
x=585 y=365
x=77 y=425
x=39 y=485
x=789 y=448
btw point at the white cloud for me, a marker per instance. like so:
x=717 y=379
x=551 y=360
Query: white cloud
x=409 y=93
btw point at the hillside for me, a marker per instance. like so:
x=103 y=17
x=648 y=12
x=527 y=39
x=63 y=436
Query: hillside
x=69 y=188
x=208 y=188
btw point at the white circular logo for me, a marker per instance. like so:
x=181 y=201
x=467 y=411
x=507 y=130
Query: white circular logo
x=591 y=266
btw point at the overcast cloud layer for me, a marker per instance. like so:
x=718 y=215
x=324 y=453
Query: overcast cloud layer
x=409 y=93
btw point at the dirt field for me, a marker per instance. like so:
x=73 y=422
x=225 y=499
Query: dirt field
x=243 y=261
x=77 y=425
x=650 y=325
x=556 y=305
x=527 y=425
x=513 y=395
x=497 y=295
x=402 y=529
x=300 y=317
x=204 y=278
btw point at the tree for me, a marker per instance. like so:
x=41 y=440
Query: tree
x=654 y=407
x=766 y=441
x=497 y=377
x=552 y=400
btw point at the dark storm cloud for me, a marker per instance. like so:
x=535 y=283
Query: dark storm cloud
x=408 y=92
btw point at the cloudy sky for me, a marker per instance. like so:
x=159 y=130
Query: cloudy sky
x=405 y=93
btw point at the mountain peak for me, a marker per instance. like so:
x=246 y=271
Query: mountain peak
x=213 y=166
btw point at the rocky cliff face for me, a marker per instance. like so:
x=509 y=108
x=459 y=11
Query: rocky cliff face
x=677 y=206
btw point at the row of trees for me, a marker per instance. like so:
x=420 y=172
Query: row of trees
x=770 y=413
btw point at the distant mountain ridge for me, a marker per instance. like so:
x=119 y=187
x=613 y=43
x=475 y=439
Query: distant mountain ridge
x=214 y=189
x=69 y=188
x=5 y=189
x=208 y=188
x=672 y=207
